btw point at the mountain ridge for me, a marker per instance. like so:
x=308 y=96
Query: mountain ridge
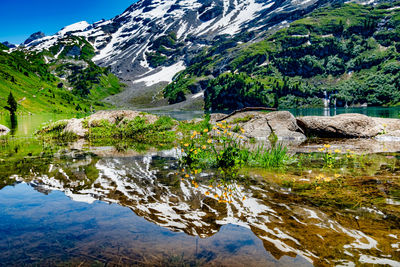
x=137 y=45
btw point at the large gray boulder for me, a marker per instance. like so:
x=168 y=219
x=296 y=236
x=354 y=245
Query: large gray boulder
x=260 y=125
x=340 y=126
x=4 y=130
x=75 y=126
x=284 y=126
x=389 y=129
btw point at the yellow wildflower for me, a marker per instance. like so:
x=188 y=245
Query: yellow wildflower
x=205 y=130
x=327 y=146
x=337 y=175
x=321 y=149
x=216 y=196
x=204 y=147
x=229 y=134
x=215 y=128
x=207 y=193
x=209 y=141
x=338 y=151
x=187 y=175
x=186 y=145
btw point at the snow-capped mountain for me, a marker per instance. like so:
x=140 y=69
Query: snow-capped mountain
x=125 y=41
x=154 y=39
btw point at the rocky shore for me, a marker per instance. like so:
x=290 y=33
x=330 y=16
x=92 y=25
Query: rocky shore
x=357 y=132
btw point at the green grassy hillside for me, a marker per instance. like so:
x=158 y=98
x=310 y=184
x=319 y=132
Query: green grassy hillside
x=61 y=79
x=350 y=51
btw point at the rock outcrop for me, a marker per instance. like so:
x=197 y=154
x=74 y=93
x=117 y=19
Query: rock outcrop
x=390 y=129
x=340 y=126
x=260 y=125
x=76 y=126
x=4 y=130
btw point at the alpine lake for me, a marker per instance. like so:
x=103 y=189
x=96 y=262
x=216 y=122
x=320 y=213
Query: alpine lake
x=74 y=204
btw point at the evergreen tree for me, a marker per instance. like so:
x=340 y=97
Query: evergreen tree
x=12 y=104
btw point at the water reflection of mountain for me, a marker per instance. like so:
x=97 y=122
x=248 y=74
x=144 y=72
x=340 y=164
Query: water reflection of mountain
x=286 y=226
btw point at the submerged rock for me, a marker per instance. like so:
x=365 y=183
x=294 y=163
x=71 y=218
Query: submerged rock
x=340 y=126
x=4 y=130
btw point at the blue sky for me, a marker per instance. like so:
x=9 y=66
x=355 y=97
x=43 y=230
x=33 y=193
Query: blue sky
x=19 y=19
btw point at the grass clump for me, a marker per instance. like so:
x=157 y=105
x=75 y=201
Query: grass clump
x=137 y=130
x=273 y=158
x=55 y=131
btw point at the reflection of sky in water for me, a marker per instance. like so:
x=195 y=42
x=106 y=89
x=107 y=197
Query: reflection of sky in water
x=50 y=229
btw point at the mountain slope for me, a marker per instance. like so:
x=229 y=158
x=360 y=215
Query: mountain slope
x=152 y=40
x=60 y=79
x=347 y=54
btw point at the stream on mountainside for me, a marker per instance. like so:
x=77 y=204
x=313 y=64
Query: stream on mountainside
x=69 y=204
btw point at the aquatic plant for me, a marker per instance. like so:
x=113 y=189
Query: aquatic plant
x=273 y=158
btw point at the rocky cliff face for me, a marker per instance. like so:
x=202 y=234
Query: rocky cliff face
x=33 y=37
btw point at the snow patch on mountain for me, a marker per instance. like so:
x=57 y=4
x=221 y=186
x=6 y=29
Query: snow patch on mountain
x=164 y=75
x=79 y=26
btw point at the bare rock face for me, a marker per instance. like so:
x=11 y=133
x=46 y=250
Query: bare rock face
x=340 y=126
x=75 y=126
x=285 y=127
x=389 y=129
x=4 y=130
x=115 y=116
x=261 y=125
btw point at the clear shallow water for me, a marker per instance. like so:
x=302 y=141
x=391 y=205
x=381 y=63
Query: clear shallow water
x=80 y=208
x=48 y=228
x=384 y=112
x=28 y=124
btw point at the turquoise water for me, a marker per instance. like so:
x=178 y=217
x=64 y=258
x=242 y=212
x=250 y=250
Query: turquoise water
x=28 y=124
x=384 y=112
